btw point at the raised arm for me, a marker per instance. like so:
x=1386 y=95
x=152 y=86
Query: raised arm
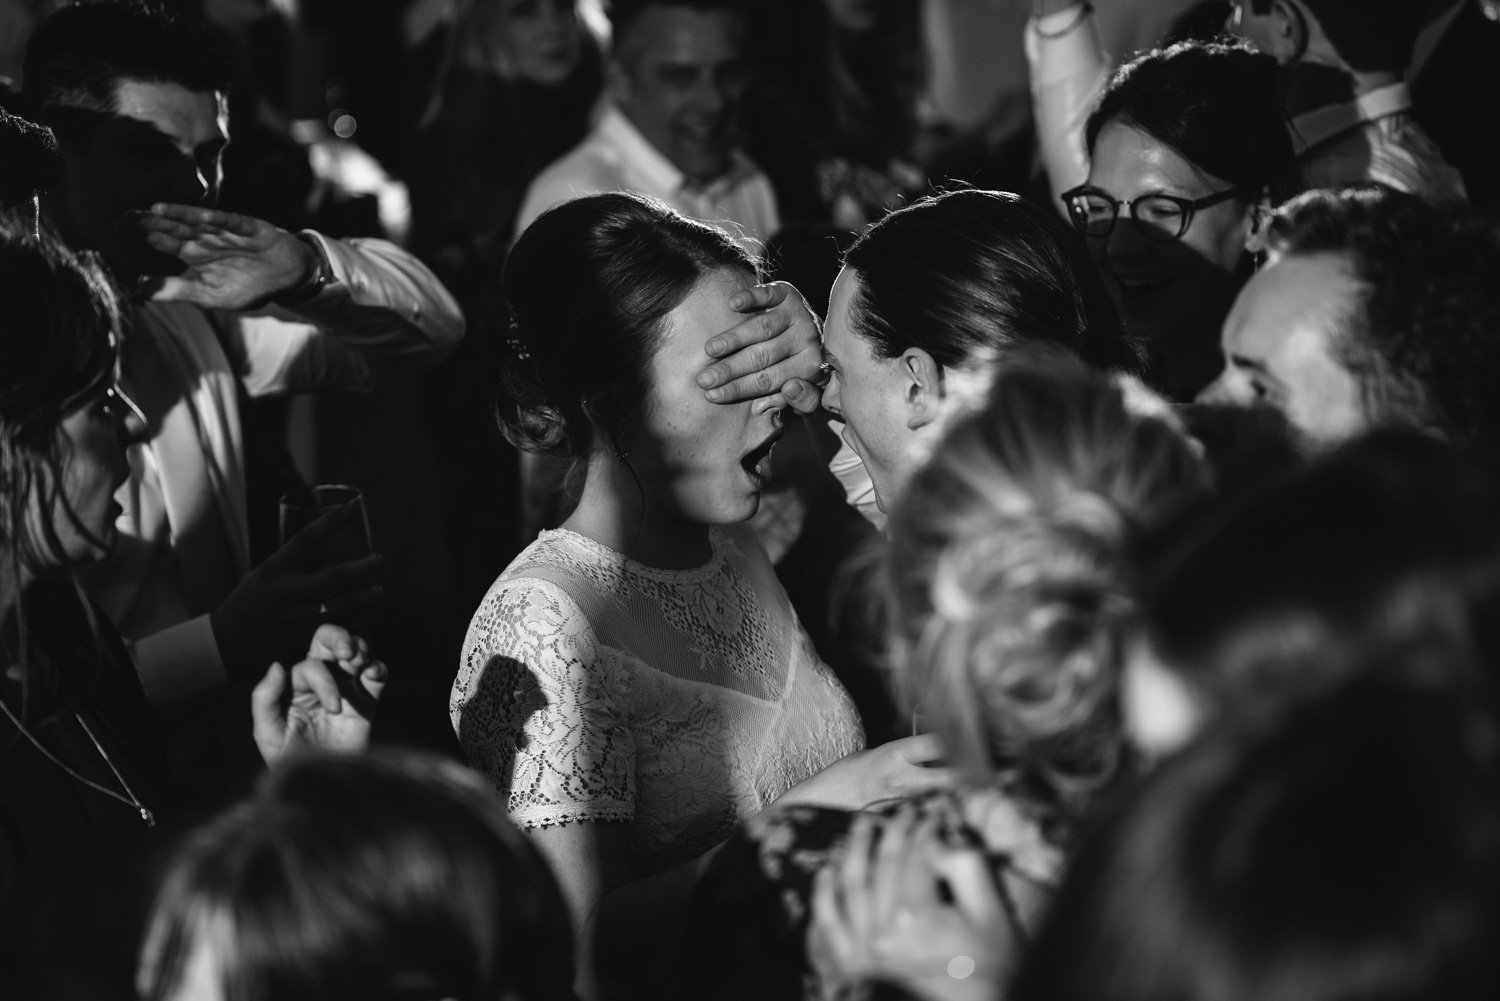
x=302 y=310
x=1069 y=69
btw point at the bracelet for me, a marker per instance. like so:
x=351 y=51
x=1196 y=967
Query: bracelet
x=315 y=282
x=1084 y=13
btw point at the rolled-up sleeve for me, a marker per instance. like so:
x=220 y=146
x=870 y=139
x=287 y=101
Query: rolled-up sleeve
x=1068 y=73
x=378 y=300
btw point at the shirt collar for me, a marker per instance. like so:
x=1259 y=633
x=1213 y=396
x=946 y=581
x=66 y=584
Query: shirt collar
x=659 y=173
x=1315 y=127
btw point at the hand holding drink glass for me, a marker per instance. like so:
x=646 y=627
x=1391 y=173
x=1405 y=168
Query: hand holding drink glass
x=325 y=571
x=348 y=542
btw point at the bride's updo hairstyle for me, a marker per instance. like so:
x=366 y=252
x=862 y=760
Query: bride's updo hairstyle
x=1005 y=580
x=588 y=285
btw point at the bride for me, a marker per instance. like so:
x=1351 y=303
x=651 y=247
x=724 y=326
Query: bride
x=636 y=682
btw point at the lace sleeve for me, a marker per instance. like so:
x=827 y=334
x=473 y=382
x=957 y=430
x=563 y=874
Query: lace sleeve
x=541 y=711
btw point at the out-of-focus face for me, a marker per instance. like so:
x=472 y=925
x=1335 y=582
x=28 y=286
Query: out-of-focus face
x=94 y=469
x=854 y=15
x=537 y=40
x=1280 y=347
x=681 y=77
x=698 y=461
x=1173 y=290
x=163 y=143
x=866 y=392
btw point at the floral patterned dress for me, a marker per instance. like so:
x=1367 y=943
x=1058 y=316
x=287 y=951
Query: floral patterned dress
x=680 y=703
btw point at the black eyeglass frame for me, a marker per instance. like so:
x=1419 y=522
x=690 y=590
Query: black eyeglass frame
x=1189 y=207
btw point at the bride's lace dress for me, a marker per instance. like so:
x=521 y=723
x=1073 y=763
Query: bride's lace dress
x=593 y=688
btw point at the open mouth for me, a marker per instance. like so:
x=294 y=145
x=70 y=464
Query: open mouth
x=757 y=464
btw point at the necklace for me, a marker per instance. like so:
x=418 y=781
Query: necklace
x=146 y=814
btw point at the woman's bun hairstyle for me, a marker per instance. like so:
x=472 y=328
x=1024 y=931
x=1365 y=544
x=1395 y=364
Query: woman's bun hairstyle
x=1006 y=576
x=588 y=285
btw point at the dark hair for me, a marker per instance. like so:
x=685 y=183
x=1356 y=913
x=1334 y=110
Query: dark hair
x=1370 y=35
x=966 y=274
x=1288 y=591
x=1351 y=849
x=1215 y=104
x=78 y=55
x=588 y=284
x=1424 y=337
x=59 y=350
x=624 y=14
x=380 y=877
x=29 y=160
x=1005 y=584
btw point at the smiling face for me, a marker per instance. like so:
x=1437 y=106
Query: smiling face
x=1280 y=343
x=680 y=78
x=163 y=143
x=537 y=40
x=698 y=461
x=1170 y=291
x=868 y=393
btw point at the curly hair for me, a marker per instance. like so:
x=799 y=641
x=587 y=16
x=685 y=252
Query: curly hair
x=1423 y=341
x=1005 y=578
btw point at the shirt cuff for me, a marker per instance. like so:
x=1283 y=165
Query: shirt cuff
x=1057 y=57
x=179 y=662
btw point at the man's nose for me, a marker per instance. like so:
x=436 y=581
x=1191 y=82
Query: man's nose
x=1219 y=391
x=190 y=185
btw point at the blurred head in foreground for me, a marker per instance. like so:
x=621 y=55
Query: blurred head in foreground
x=1347 y=849
x=1391 y=539
x=1005 y=577
x=371 y=878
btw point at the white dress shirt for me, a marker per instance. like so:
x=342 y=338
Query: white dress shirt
x=616 y=157
x=184 y=534
x=1374 y=138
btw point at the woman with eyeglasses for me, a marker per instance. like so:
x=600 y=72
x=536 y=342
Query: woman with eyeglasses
x=83 y=782
x=1188 y=152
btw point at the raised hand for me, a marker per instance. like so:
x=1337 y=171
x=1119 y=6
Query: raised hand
x=289 y=595
x=233 y=261
x=879 y=913
x=776 y=352
x=326 y=702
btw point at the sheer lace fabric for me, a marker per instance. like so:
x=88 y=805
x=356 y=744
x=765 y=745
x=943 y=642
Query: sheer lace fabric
x=593 y=688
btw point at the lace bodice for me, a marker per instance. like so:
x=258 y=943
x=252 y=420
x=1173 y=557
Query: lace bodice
x=593 y=688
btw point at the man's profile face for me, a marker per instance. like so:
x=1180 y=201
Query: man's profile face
x=1280 y=347
x=162 y=143
x=680 y=80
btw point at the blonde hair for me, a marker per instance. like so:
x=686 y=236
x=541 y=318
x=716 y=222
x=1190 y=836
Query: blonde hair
x=1005 y=584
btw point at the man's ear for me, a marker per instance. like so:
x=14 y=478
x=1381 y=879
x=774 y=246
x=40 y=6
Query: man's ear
x=922 y=390
x=1290 y=35
x=1258 y=224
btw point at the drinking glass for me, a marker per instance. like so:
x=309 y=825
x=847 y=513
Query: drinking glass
x=303 y=506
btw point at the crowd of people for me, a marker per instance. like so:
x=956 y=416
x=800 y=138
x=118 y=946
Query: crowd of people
x=877 y=584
